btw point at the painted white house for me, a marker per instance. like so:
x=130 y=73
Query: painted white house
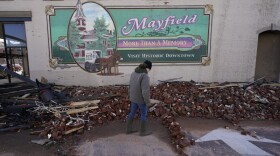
x=244 y=42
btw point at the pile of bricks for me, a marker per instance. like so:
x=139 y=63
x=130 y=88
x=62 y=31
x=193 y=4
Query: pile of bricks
x=187 y=99
x=230 y=103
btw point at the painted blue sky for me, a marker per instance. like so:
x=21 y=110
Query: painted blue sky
x=93 y=11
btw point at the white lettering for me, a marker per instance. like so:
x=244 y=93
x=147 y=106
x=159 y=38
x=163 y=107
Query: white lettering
x=179 y=21
x=134 y=55
x=134 y=24
x=151 y=24
x=160 y=23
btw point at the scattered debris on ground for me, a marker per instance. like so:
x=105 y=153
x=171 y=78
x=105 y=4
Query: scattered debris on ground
x=53 y=112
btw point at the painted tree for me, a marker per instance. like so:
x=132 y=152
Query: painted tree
x=74 y=37
x=101 y=29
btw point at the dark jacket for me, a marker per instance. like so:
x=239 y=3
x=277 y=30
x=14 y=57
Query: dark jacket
x=139 y=87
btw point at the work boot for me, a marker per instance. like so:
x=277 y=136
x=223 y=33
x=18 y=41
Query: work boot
x=129 y=129
x=143 y=129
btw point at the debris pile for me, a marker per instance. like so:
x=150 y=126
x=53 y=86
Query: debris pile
x=177 y=137
x=86 y=107
x=231 y=103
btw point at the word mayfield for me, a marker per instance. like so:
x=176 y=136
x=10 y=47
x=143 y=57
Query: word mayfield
x=134 y=24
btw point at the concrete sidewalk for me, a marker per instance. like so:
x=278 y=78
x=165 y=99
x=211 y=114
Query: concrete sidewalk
x=109 y=139
x=212 y=138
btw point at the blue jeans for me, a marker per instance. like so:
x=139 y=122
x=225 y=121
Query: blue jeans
x=143 y=110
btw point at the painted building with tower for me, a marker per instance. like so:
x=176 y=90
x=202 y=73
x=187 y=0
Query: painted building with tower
x=203 y=41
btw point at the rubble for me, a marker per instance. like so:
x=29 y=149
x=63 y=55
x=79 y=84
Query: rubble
x=41 y=141
x=86 y=107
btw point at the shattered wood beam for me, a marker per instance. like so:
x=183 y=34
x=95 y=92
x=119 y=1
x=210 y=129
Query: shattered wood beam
x=11 y=84
x=16 y=101
x=85 y=98
x=24 y=98
x=75 y=111
x=18 y=93
x=35 y=132
x=84 y=103
x=25 y=95
x=73 y=130
x=2 y=116
x=17 y=108
x=271 y=84
x=229 y=85
x=15 y=88
x=14 y=128
x=170 y=80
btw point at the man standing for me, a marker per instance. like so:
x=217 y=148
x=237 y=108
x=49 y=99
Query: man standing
x=139 y=95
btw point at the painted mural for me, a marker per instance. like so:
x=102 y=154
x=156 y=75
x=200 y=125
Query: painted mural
x=92 y=38
x=98 y=39
x=162 y=35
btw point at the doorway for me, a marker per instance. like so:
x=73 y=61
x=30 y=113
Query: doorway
x=268 y=56
x=13 y=50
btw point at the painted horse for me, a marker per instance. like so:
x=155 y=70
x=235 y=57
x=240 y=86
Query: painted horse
x=106 y=64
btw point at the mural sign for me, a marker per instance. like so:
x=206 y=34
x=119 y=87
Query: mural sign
x=179 y=35
x=96 y=38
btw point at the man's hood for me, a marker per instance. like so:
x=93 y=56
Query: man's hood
x=140 y=70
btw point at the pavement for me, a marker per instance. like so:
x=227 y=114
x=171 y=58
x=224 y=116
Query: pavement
x=213 y=138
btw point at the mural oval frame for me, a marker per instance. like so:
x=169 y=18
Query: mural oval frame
x=89 y=47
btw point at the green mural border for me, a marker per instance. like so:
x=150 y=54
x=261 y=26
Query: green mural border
x=51 y=11
x=204 y=59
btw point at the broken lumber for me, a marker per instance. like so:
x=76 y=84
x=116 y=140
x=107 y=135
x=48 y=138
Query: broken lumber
x=80 y=110
x=35 y=132
x=18 y=93
x=15 y=88
x=272 y=84
x=229 y=85
x=73 y=130
x=14 y=128
x=17 y=108
x=88 y=98
x=84 y=103
x=170 y=80
x=16 y=101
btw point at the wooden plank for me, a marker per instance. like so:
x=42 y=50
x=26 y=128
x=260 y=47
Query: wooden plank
x=18 y=93
x=14 y=128
x=74 y=111
x=17 y=101
x=229 y=85
x=84 y=103
x=25 y=98
x=170 y=80
x=271 y=84
x=15 y=88
x=73 y=130
x=88 y=98
x=17 y=108
x=5 y=85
